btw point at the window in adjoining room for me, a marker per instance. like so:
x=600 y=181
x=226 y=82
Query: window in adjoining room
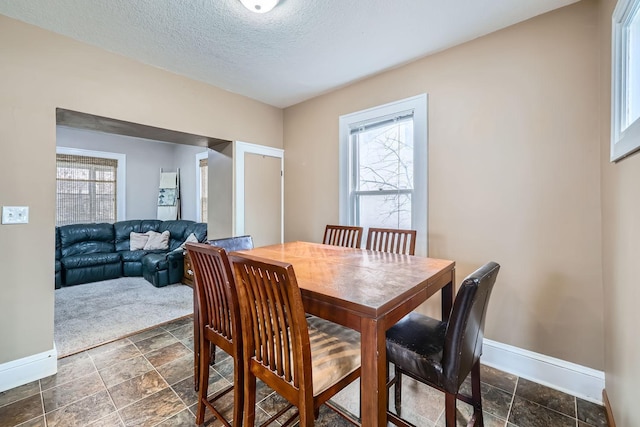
x=625 y=116
x=89 y=186
x=383 y=168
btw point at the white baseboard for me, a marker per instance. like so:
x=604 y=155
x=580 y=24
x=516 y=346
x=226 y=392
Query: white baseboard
x=578 y=380
x=28 y=369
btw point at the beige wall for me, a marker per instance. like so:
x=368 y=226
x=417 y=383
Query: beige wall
x=514 y=177
x=621 y=246
x=40 y=71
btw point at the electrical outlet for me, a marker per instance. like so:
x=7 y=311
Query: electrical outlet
x=15 y=214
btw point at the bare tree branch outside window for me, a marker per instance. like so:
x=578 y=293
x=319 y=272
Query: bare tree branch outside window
x=384 y=182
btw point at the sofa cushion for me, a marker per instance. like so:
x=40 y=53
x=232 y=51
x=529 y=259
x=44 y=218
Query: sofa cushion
x=94 y=273
x=136 y=256
x=79 y=239
x=199 y=229
x=123 y=229
x=132 y=256
x=89 y=260
x=191 y=238
x=178 y=230
x=157 y=241
x=137 y=241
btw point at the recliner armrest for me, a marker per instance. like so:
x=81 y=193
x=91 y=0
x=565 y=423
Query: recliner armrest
x=175 y=256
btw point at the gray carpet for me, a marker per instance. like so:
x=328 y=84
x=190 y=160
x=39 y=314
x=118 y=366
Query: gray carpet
x=91 y=314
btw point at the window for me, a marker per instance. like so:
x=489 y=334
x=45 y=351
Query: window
x=204 y=188
x=86 y=189
x=625 y=116
x=90 y=186
x=383 y=168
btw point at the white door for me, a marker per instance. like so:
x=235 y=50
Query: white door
x=259 y=193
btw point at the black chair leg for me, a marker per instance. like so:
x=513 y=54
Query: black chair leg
x=398 y=390
x=450 y=409
x=476 y=394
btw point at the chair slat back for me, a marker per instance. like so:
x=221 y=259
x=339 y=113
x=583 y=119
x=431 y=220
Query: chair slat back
x=215 y=291
x=392 y=240
x=343 y=235
x=275 y=330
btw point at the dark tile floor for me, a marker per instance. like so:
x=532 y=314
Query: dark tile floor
x=147 y=380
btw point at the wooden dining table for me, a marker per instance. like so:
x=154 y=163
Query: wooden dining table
x=367 y=291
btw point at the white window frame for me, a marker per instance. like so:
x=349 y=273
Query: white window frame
x=625 y=137
x=121 y=190
x=200 y=156
x=419 y=200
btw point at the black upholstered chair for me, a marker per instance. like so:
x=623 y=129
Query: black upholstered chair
x=442 y=354
x=231 y=244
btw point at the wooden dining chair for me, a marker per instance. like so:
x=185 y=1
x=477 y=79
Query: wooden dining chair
x=442 y=354
x=392 y=240
x=305 y=360
x=229 y=244
x=342 y=235
x=218 y=318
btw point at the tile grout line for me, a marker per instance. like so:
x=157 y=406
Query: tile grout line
x=71 y=381
x=129 y=379
x=108 y=392
x=154 y=368
x=117 y=410
x=44 y=413
x=549 y=409
x=65 y=384
x=513 y=398
x=168 y=386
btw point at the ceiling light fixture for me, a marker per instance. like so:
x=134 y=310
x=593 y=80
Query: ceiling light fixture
x=259 y=6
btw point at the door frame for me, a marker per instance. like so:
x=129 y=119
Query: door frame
x=241 y=148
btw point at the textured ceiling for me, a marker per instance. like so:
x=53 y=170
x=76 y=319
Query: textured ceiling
x=300 y=49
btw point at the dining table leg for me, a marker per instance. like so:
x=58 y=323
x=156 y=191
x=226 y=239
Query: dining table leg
x=373 y=392
x=447 y=299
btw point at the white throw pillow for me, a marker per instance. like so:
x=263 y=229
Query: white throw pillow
x=157 y=241
x=137 y=241
x=191 y=238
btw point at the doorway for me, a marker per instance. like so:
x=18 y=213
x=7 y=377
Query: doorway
x=259 y=193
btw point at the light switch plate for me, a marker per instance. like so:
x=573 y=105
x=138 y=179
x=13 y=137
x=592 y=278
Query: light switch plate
x=15 y=214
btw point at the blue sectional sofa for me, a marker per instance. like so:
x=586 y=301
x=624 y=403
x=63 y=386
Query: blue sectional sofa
x=93 y=252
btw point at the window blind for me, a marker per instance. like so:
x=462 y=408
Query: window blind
x=86 y=189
